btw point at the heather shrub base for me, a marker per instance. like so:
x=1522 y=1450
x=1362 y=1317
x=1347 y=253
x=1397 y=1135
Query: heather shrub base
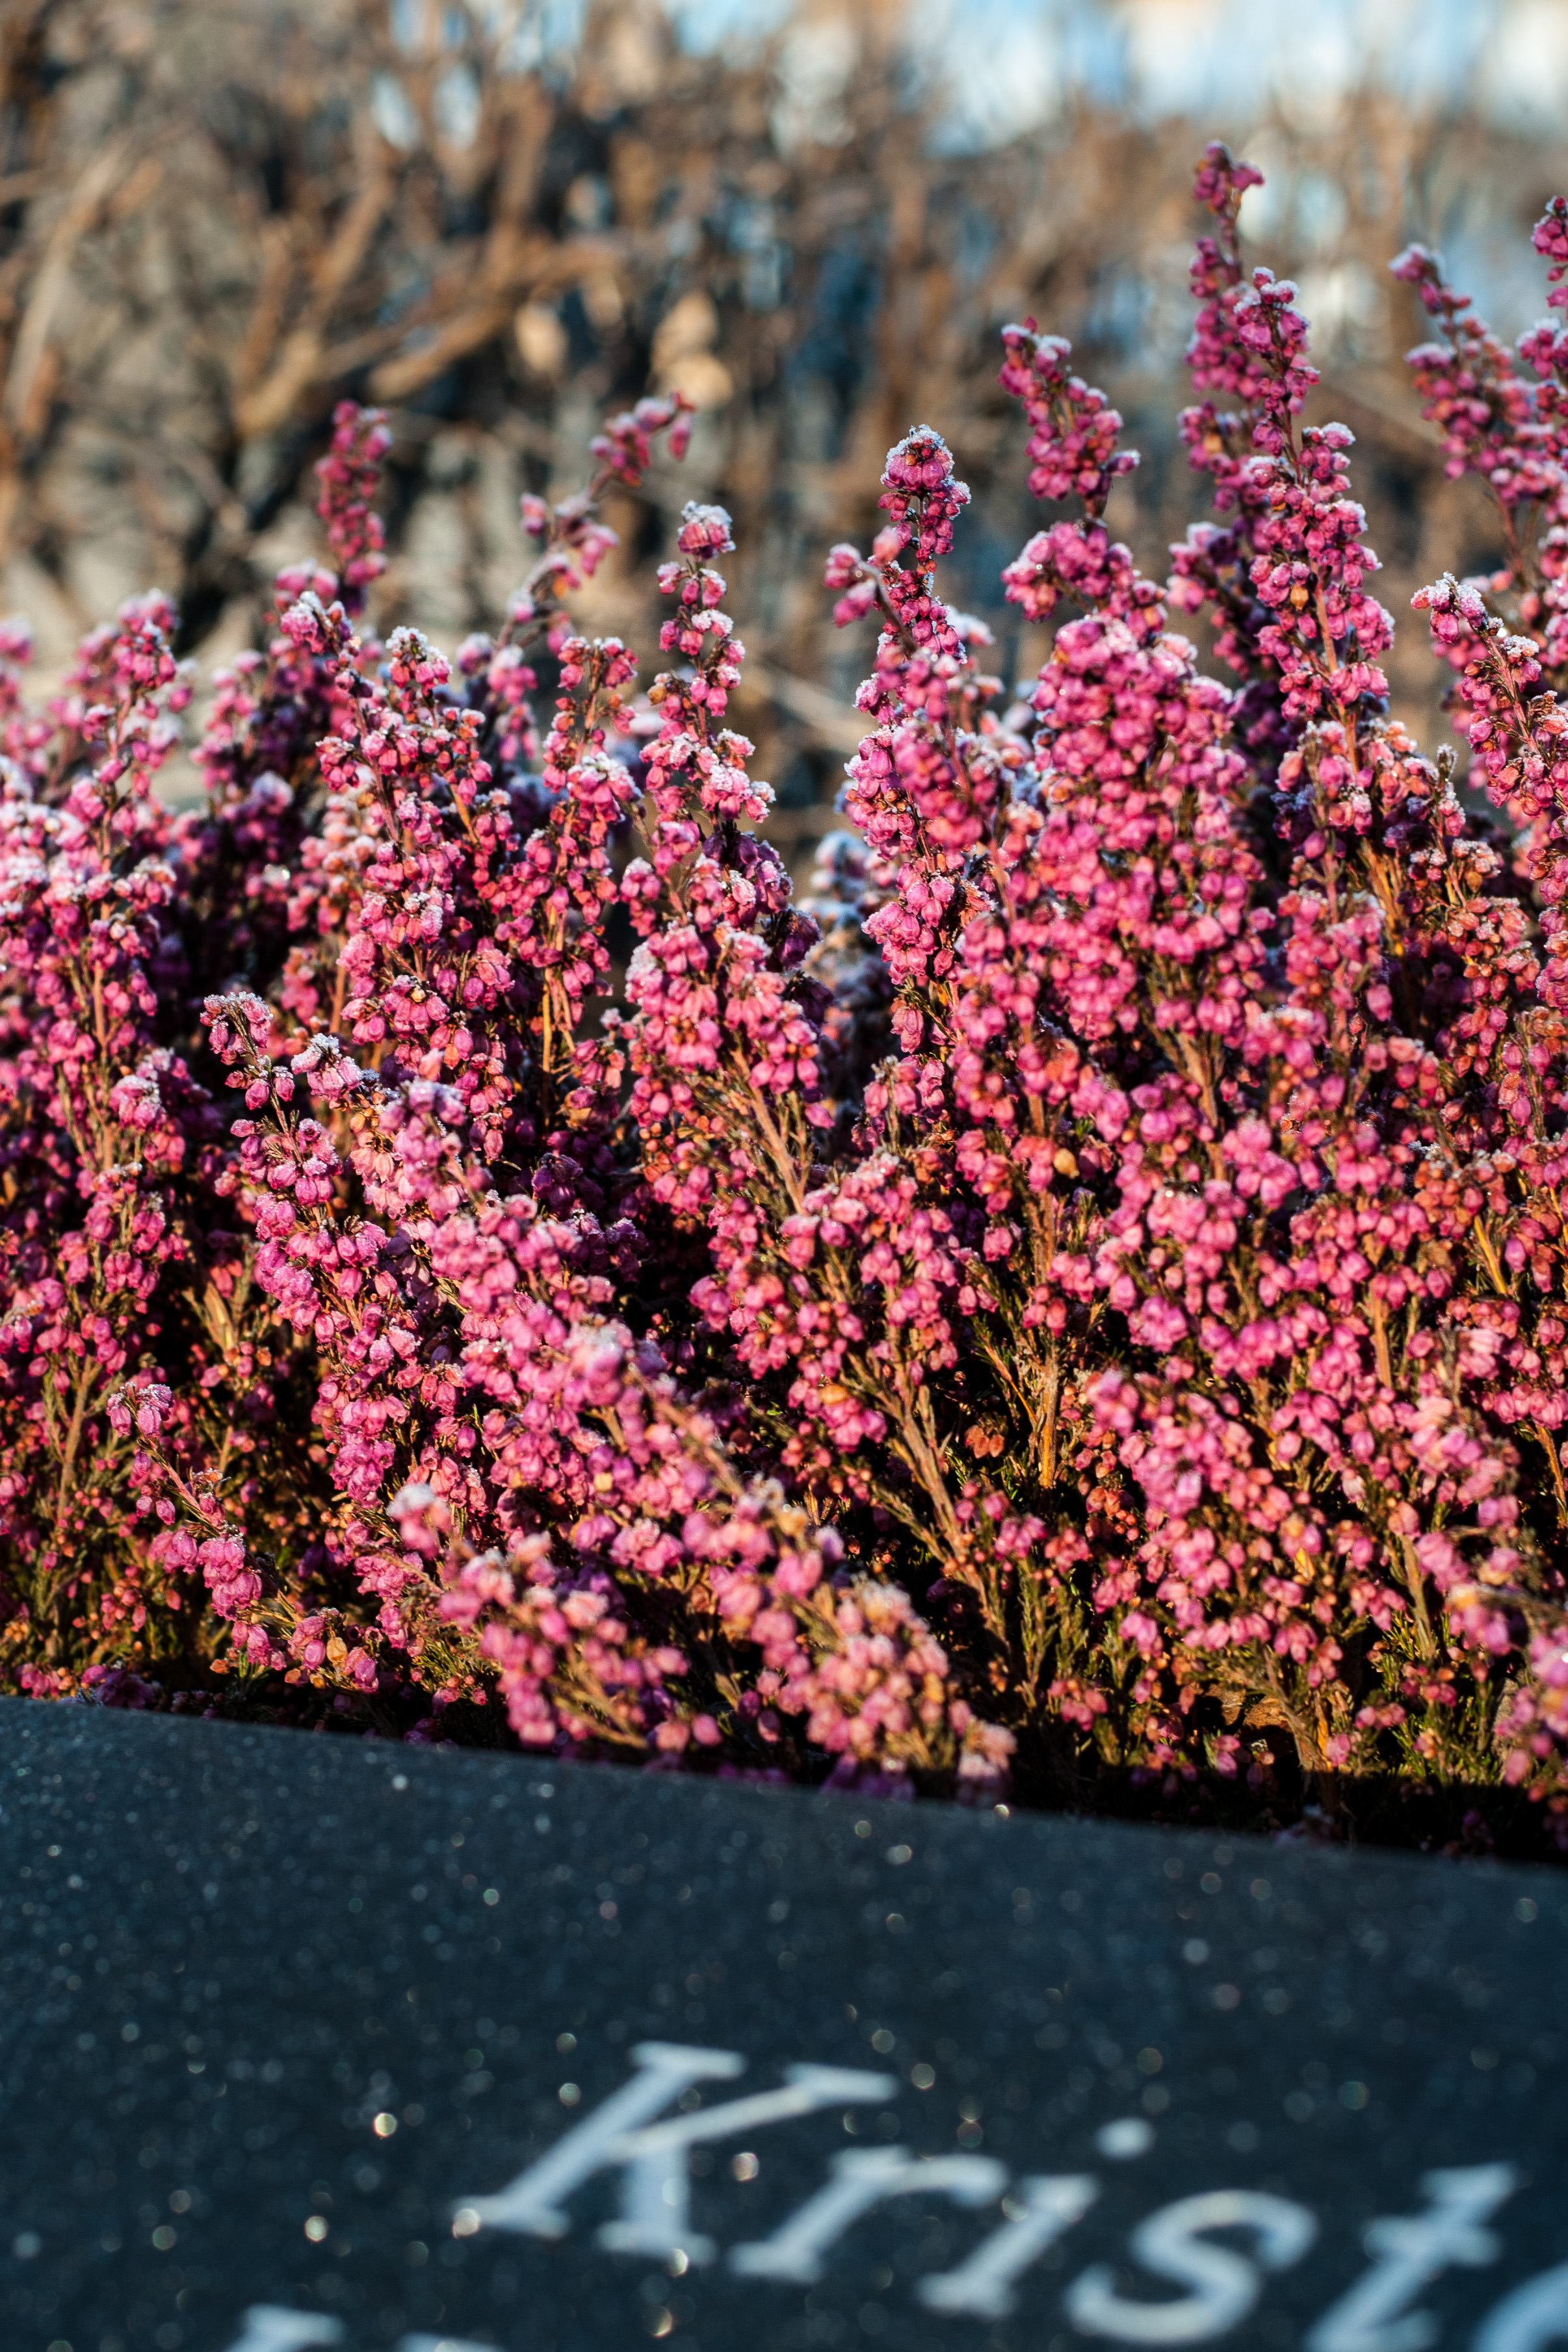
x=1076 y=1302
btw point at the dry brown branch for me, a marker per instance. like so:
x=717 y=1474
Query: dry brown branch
x=22 y=405
x=215 y=222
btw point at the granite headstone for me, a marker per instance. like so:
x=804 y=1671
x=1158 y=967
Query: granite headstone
x=315 y=2041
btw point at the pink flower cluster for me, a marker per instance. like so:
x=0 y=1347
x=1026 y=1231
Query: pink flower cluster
x=1083 y=1287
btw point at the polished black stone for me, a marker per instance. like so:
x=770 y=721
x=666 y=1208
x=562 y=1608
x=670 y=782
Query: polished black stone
x=309 y=2041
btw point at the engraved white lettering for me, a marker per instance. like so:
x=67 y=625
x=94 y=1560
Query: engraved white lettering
x=272 y=2328
x=440 y=2343
x=1049 y=2204
x=863 y=2177
x=656 y=2208
x=534 y=2201
x=1409 y=2251
x=1534 y=2314
x=1170 y=2244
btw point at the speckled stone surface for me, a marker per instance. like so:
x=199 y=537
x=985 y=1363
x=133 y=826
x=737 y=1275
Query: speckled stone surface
x=310 y=2041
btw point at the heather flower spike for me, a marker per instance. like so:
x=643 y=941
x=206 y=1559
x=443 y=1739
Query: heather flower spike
x=1080 y=1288
x=349 y=475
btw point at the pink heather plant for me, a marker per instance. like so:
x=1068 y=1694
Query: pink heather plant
x=1087 y=1288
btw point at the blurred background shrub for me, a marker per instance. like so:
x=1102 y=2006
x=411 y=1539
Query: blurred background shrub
x=495 y=216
